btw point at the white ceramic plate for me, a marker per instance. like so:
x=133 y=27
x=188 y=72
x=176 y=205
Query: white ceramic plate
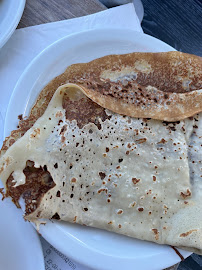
x=10 y=14
x=95 y=248
x=20 y=247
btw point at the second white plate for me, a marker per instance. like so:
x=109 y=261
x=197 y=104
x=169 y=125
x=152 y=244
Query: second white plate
x=10 y=14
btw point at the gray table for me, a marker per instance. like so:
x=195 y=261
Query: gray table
x=177 y=22
x=43 y=11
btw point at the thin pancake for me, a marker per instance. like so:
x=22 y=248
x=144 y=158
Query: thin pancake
x=168 y=83
x=165 y=86
x=124 y=175
x=79 y=159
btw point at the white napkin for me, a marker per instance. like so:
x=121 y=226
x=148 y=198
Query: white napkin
x=28 y=42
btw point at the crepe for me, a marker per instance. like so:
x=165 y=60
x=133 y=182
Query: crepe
x=82 y=163
x=169 y=83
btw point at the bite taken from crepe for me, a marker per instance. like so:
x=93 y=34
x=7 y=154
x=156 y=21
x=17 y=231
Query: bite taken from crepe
x=83 y=162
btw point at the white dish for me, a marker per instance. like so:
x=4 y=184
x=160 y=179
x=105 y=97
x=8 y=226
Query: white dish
x=10 y=14
x=92 y=247
x=20 y=247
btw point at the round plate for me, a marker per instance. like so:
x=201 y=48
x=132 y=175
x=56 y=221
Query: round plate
x=10 y=14
x=19 y=241
x=93 y=247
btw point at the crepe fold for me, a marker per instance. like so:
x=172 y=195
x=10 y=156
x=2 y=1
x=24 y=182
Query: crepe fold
x=164 y=86
x=83 y=163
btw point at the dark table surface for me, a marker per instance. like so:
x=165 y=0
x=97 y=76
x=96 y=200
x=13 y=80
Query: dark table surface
x=176 y=22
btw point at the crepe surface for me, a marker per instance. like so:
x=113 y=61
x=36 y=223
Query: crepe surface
x=102 y=175
x=168 y=83
x=83 y=163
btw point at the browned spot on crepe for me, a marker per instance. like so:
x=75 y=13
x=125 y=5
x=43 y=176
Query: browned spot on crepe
x=187 y=233
x=156 y=232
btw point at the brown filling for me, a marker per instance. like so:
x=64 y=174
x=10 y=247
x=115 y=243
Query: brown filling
x=38 y=182
x=84 y=111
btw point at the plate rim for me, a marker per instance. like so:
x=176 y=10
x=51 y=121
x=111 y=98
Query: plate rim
x=13 y=24
x=46 y=51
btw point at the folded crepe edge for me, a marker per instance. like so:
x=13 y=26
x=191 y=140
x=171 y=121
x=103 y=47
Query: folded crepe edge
x=176 y=107
x=151 y=99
